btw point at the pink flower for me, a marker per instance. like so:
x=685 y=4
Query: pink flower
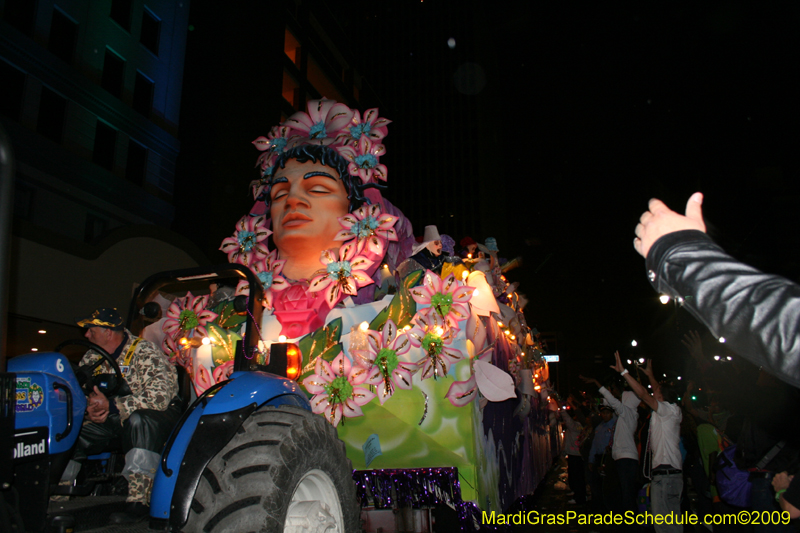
x=299 y=311
x=188 y=316
x=447 y=298
x=370 y=228
x=324 y=122
x=223 y=371
x=341 y=276
x=436 y=343
x=336 y=389
x=248 y=243
x=364 y=160
x=268 y=272
x=387 y=371
x=371 y=126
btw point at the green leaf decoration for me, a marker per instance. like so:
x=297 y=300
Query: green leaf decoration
x=228 y=318
x=402 y=307
x=324 y=343
x=223 y=343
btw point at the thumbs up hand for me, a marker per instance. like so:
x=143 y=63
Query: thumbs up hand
x=660 y=220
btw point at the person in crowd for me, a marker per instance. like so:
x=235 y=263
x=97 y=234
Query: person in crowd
x=757 y=314
x=601 y=445
x=786 y=490
x=575 y=466
x=663 y=440
x=142 y=415
x=623 y=449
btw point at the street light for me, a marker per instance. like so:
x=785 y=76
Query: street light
x=664 y=299
x=634 y=343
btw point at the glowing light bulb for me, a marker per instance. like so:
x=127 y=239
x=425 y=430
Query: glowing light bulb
x=363 y=326
x=464 y=275
x=42 y=332
x=469 y=256
x=679 y=378
x=206 y=341
x=513 y=337
x=439 y=331
x=664 y=299
x=282 y=338
x=475 y=292
x=716 y=358
x=34 y=349
x=641 y=360
x=499 y=323
x=722 y=339
x=634 y=343
x=406 y=327
x=629 y=361
x=508 y=332
x=729 y=358
x=184 y=341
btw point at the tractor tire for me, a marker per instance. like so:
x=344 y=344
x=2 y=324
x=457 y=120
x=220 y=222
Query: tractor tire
x=285 y=471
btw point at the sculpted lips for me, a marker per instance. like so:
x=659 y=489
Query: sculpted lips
x=294 y=218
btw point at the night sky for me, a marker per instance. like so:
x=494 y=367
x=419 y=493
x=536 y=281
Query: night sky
x=594 y=109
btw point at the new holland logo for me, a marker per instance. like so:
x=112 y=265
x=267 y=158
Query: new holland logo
x=26 y=450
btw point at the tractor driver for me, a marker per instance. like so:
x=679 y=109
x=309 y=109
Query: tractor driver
x=142 y=417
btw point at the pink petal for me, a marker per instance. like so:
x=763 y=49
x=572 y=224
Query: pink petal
x=389 y=332
x=314 y=384
x=319 y=282
x=362 y=396
x=339 y=116
x=344 y=235
x=319 y=404
x=462 y=393
x=402 y=378
x=332 y=294
x=360 y=278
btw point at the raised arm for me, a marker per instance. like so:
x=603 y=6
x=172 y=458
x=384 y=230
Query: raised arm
x=615 y=404
x=758 y=314
x=635 y=386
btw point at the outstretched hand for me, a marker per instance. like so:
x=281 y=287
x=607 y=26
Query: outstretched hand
x=618 y=367
x=660 y=220
x=589 y=380
x=647 y=369
x=693 y=344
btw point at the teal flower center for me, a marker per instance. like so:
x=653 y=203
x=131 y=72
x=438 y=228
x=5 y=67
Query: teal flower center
x=442 y=303
x=338 y=270
x=318 y=131
x=364 y=228
x=360 y=129
x=247 y=239
x=339 y=390
x=366 y=161
x=188 y=320
x=279 y=143
x=433 y=344
x=266 y=279
x=387 y=361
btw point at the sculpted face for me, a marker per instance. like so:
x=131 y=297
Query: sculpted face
x=435 y=247
x=305 y=202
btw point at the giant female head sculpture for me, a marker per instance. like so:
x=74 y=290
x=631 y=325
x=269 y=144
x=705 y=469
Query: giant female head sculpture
x=316 y=168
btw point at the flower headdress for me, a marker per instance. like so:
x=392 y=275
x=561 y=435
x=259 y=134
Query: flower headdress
x=356 y=138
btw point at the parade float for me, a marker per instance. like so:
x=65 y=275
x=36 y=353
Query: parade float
x=420 y=357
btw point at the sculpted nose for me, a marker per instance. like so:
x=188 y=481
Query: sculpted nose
x=296 y=197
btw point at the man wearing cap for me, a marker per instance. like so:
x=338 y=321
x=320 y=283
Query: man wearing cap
x=141 y=417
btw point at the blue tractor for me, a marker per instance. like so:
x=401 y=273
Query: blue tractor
x=247 y=455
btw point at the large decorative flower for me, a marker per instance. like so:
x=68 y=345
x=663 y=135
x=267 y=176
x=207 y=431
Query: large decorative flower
x=370 y=228
x=364 y=160
x=437 y=347
x=324 y=122
x=336 y=389
x=387 y=370
x=447 y=298
x=344 y=273
x=188 y=316
x=248 y=243
x=371 y=126
x=268 y=271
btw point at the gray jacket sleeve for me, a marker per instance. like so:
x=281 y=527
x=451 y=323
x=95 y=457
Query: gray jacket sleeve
x=758 y=314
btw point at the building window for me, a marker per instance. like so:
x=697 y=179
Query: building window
x=143 y=94
x=137 y=163
x=105 y=143
x=113 y=73
x=121 y=13
x=291 y=47
x=52 y=110
x=21 y=14
x=291 y=91
x=63 y=37
x=96 y=227
x=151 y=31
x=13 y=90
